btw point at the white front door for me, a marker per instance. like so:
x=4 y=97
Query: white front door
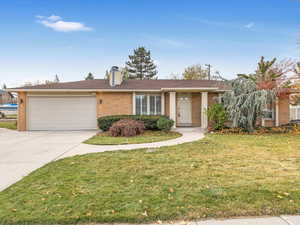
x=184 y=110
x=61 y=113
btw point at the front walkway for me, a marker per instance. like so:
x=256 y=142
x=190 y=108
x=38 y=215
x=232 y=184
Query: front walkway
x=188 y=135
x=278 y=220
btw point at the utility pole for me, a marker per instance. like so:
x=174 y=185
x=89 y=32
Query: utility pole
x=208 y=68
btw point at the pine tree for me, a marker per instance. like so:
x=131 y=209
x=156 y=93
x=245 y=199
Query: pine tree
x=140 y=65
x=90 y=76
x=106 y=76
x=56 y=79
x=4 y=86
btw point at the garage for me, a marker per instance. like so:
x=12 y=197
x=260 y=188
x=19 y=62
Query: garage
x=61 y=113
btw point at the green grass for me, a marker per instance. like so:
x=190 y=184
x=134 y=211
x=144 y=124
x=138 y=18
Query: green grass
x=9 y=125
x=11 y=116
x=146 y=137
x=219 y=176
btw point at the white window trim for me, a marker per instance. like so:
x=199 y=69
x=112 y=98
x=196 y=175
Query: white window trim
x=148 y=103
x=271 y=111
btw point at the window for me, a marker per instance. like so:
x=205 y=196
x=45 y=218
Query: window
x=147 y=104
x=268 y=114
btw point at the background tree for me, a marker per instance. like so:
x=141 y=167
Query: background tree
x=195 y=72
x=56 y=79
x=140 y=65
x=4 y=86
x=90 y=76
x=106 y=76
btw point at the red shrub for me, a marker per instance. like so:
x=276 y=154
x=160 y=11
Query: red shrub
x=126 y=128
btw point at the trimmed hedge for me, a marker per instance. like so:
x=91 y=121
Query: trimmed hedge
x=150 y=122
x=165 y=124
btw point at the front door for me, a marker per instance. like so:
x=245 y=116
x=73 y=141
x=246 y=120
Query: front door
x=184 y=109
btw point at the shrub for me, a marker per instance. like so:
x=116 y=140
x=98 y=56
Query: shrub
x=217 y=116
x=126 y=128
x=165 y=124
x=150 y=122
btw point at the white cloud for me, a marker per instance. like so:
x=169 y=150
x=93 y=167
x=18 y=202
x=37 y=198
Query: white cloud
x=39 y=17
x=54 y=18
x=249 y=25
x=56 y=23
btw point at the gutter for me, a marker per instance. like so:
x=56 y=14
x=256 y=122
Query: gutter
x=215 y=89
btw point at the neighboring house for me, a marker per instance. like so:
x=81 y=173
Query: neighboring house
x=6 y=97
x=76 y=105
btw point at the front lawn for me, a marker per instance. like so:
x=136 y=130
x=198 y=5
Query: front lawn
x=11 y=116
x=219 y=176
x=146 y=137
x=9 y=125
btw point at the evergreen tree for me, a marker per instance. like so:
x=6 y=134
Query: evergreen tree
x=90 y=76
x=4 y=86
x=245 y=103
x=106 y=74
x=140 y=65
x=56 y=79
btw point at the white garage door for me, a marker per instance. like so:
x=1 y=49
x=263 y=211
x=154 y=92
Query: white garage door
x=61 y=113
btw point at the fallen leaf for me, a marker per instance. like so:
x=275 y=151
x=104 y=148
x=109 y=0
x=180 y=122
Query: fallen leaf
x=145 y=213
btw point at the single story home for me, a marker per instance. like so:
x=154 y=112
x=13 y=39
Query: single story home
x=77 y=105
x=6 y=97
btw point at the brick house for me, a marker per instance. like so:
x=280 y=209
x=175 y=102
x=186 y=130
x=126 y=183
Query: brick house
x=6 y=97
x=76 y=105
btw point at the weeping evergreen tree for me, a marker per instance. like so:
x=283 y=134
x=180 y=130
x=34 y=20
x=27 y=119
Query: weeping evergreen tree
x=245 y=103
x=251 y=94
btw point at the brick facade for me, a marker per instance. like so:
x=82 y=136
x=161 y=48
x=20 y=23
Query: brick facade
x=118 y=103
x=196 y=109
x=22 y=111
x=114 y=103
x=284 y=110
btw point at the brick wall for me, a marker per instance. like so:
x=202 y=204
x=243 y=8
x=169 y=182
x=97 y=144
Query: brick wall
x=114 y=103
x=284 y=110
x=22 y=96
x=212 y=98
x=167 y=105
x=196 y=109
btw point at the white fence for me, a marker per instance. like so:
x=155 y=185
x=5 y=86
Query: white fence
x=295 y=112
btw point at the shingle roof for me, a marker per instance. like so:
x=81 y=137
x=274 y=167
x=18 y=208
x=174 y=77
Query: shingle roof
x=131 y=84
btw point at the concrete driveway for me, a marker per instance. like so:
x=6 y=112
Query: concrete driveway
x=24 y=152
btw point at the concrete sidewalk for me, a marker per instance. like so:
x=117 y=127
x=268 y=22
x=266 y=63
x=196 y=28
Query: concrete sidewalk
x=280 y=220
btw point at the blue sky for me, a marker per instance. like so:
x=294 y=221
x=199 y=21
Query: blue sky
x=71 y=38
